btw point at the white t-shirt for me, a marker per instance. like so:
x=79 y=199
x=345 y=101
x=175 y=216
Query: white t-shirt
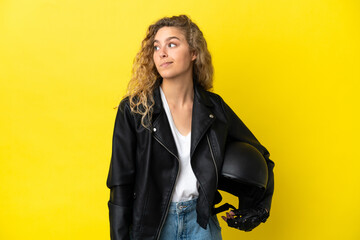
x=186 y=187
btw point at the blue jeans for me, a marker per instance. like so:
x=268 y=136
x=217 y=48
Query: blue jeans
x=181 y=224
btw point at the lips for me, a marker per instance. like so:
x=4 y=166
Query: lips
x=165 y=64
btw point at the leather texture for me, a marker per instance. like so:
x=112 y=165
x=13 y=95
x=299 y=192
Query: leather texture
x=144 y=163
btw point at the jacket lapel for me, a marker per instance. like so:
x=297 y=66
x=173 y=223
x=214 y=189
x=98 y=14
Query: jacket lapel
x=161 y=127
x=202 y=118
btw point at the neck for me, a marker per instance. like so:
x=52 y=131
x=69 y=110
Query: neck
x=178 y=92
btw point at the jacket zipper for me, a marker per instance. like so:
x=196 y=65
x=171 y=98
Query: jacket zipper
x=172 y=190
x=212 y=155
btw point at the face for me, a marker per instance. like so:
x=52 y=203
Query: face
x=172 y=55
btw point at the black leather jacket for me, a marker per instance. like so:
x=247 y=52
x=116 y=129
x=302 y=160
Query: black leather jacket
x=144 y=164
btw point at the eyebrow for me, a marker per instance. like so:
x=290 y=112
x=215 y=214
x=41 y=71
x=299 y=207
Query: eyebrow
x=168 y=39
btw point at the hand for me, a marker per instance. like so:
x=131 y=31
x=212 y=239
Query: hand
x=246 y=219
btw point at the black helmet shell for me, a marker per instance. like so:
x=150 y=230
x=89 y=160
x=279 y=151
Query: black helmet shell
x=244 y=173
x=245 y=164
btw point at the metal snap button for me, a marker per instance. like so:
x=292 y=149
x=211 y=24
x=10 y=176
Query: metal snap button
x=211 y=116
x=154 y=129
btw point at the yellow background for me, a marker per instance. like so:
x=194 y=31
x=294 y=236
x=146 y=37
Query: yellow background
x=289 y=69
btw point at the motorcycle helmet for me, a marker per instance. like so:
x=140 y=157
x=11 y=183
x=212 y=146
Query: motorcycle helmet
x=244 y=174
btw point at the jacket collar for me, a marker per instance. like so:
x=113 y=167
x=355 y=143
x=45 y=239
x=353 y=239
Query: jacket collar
x=199 y=95
x=202 y=118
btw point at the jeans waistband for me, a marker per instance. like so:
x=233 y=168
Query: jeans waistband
x=182 y=207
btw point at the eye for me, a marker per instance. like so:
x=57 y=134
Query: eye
x=172 y=45
x=156 y=48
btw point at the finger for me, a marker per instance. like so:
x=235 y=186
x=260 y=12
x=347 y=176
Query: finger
x=225 y=219
x=232 y=213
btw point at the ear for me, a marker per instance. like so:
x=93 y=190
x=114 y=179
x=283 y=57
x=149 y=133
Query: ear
x=194 y=55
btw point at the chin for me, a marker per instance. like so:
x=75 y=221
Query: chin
x=168 y=76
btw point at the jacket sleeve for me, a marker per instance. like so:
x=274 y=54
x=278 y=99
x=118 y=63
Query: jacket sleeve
x=121 y=173
x=237 y=131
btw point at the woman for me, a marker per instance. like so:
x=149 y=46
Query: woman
x=169 y=139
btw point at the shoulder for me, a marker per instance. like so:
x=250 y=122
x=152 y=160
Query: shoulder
x=214 y=98
x=126 y=119
x=131 y=110
x=124 y=110
x=208 y=97
x=124 y=104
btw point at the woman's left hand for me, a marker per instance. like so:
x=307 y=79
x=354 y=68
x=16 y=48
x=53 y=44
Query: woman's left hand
x=247 y=219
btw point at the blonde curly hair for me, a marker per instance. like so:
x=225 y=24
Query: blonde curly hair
x=145 y=77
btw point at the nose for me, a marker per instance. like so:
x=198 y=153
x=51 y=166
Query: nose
x=162 y=53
